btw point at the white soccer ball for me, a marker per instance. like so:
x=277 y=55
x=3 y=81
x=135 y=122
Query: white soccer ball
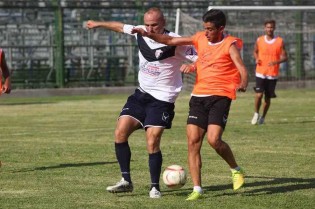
x=174 y=176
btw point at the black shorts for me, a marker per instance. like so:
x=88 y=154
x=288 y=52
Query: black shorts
x=266 y=86
x=204 y=111
x=148 y=110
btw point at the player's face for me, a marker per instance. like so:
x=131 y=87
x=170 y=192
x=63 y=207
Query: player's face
x=154 y=23
x=269 y=29
x=213 y=34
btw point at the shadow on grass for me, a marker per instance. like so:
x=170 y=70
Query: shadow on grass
x=269 y=185
x=259 y=186
x=65 y=165
x=25 y=103
x=290 y=122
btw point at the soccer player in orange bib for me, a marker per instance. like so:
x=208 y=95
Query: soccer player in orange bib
x=220 y=73
x=269 y=52
x=4 y=73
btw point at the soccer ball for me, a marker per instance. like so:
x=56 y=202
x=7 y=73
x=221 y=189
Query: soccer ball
x=174 y=176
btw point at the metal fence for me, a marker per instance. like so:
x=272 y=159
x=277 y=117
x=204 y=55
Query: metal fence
x=46 y=45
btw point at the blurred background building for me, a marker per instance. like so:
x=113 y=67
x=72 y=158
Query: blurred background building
x=47 y=46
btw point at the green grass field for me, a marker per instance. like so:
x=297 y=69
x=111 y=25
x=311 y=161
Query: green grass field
x=58 y=152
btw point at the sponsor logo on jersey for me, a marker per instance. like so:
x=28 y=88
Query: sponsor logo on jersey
x=158 y=53
x=150 y=69
x=191 y=53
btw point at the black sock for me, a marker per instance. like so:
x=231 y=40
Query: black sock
x=155 y=165
x=123 y=155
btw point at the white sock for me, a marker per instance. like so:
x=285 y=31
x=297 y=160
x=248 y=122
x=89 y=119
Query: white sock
x=198 y=189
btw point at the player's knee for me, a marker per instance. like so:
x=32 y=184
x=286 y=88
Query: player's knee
x=267 y=99
x=215 y=142
x=194 y=144
x=153 y=146
x=259 y=95
x=120 y=136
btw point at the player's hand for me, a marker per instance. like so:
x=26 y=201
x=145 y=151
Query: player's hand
x=187 y=68
x=6 y=88
x=140 y=31
x=258 y=62
x=272 y=63
x=91 y=24
x=242 y=88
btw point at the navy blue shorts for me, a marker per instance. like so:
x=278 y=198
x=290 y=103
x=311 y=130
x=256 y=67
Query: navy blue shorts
x=266 y=86
x=204 y=111
x=148 y=110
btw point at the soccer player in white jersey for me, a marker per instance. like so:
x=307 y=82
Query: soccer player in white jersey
x=151 y=107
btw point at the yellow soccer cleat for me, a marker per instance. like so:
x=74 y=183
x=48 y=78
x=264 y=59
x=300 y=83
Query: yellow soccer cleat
x=194 y=196
x=238 y=178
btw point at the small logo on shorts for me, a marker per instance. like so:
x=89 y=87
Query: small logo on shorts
x=165 y=116
x=124 y=109
x=192 y=117
x=224 y=119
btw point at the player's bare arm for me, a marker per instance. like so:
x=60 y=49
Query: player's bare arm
x=111 y=25
x=283 y=57
x=257 y=60
x=236 y=57
x=164 y=39
x=6 y=88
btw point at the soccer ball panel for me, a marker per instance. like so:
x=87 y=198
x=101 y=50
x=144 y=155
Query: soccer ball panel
x=174 y=176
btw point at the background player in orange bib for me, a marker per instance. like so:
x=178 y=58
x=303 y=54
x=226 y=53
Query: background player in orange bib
x=5 y=87
x=269 y=52
x=220 y=73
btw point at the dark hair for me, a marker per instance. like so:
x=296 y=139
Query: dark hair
x=270 y=21
x=217 y=17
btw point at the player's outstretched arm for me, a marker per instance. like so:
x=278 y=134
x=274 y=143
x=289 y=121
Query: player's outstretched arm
x=163 y=38
x=110 y=25
x=237 y=59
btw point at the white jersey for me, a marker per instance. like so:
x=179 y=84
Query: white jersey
x=159 y=66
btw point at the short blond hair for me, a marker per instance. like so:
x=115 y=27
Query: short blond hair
x=155 y=9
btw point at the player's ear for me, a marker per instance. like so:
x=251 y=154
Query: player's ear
x=221 y=28
x=163 y=22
